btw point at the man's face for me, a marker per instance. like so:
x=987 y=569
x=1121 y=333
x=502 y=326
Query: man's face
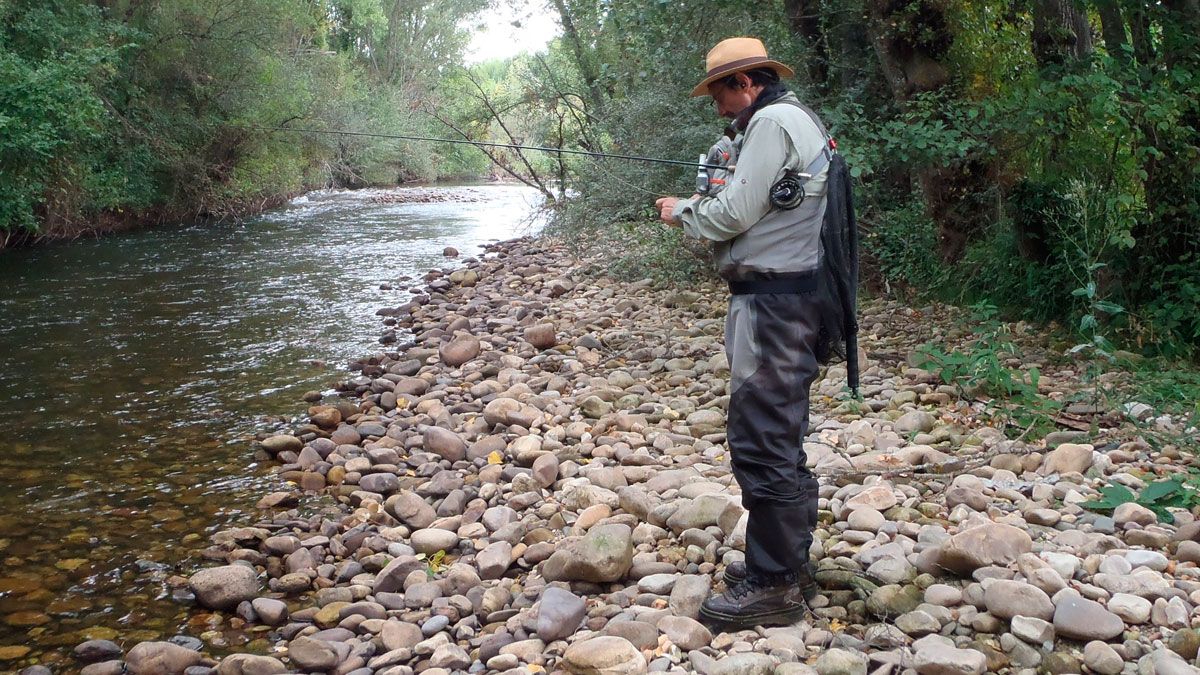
x=731 y=100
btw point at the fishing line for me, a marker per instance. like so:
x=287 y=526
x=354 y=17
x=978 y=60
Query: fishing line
x=489 y=144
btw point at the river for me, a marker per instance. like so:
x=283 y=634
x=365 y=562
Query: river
x=135 y=369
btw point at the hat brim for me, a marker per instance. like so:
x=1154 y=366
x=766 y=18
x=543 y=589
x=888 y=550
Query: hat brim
x=738 y=67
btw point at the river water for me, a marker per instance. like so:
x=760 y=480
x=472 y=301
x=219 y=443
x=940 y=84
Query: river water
x=135 y=369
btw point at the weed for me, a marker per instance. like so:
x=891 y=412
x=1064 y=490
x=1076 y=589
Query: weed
x=980 y=367
x=1177 y=492
x=434 y=564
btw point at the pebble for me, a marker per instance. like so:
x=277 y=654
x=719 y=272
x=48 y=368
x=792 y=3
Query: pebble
x=1082 y=619
x=607 y=655
x=1131 y=608
x=841 y=662
x=1102 y=658
x=560 y=613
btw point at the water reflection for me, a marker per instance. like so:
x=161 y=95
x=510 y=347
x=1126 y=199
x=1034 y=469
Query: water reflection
x=134 y=369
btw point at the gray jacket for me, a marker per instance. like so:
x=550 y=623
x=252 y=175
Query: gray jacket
x=752 y=237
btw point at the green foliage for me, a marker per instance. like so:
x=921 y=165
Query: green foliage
x=1175 y=492
x=900 y=246
x=987 y=366
x=660 y=253
x=151 y=107
x=1165 y=386
x=982 y=365
x=52 y=57
x=434 y=564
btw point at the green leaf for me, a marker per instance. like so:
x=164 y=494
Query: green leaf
x=1159 y=490
x=1164 y=516
x=1099 y=505
x=1118 y=493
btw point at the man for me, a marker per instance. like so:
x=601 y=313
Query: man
x=769 y=255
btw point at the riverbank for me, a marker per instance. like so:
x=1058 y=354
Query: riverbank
x=58 y=230
x=537 y=481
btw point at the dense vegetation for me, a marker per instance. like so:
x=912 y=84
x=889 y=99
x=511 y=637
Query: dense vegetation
x=1039 y=155
x=127 y=111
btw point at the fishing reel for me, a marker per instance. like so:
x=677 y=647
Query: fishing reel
x=788 y=192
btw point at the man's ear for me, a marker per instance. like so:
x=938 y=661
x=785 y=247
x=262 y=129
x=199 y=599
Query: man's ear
x=743 y=80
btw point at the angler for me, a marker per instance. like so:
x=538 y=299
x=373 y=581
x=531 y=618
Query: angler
x=780 y=219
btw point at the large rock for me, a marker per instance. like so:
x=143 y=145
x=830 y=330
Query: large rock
x=880 y=497
x=250 y=664
x=595 y=407
x=459 y=351
x=97 y=650
x=605 y=655
x=310 y=654
x=411 y=509
x=604 y=554
x=1006 y=599
x=1067 y=458
x=685 y=633
x=559 y=614
x=450 y=657
x=160 y=658
x=224 y=587
x=432 y=540
x=391 y=578
x=841 y=662
x=1130 y=512
x=1078 y=618
x=1102 y=658
x=936 y=657
x=282 y=443
x=380 y=483
x=270 y=611
x=494 y=560
x=744 y=664
x=983 y=545
x=541 y=336
x=499 y=410
x=400 y=635
x=916 y=421
x=445 y=443
x=688 y=593
x=709 y=509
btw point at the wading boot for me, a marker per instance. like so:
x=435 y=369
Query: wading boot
x=735 y=573
x=756 y=603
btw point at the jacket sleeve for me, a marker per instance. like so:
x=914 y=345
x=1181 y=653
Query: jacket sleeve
x=746 y=199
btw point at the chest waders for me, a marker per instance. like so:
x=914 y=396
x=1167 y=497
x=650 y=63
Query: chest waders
x=780 y=328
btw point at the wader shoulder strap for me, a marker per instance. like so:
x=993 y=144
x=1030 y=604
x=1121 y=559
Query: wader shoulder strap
x=818 y=164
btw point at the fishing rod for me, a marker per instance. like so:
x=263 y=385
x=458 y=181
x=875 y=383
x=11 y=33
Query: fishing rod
x=511 y=146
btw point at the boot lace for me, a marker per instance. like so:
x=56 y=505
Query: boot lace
x=742 y=588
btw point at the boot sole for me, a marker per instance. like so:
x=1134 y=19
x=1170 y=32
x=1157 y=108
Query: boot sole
x=777 y=618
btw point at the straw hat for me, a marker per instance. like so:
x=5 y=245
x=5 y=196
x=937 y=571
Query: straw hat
x=735 y=55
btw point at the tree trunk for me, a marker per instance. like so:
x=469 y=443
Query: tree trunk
x=1060 y=33
x=910 y=46
x=911 y=40
x=1172 y=180
x=805 y=19
x=1112 y=27
x=1139 y=30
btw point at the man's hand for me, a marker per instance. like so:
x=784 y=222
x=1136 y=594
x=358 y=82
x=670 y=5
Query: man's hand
x=666 y=210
